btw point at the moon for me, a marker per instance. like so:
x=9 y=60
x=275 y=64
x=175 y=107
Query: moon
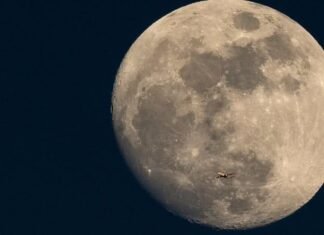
x=224 y=86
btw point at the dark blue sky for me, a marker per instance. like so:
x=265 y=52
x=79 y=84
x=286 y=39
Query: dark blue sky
x=60 y=168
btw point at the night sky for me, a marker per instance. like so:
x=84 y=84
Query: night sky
x=61 y=171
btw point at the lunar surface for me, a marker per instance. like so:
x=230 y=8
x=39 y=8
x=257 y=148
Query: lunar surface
x=224 y=86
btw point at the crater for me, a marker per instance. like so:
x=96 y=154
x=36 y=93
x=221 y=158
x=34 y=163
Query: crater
x=290 y=84
x=246 y=21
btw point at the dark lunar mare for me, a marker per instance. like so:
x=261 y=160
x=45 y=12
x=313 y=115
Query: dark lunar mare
x=162 y=135
x=242 y=70
x=246 y=21
x=202 y=72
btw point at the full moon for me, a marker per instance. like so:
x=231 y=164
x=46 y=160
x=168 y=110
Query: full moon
x=224 y=88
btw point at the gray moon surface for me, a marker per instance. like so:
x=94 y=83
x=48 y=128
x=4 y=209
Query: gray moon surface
x=224 y=86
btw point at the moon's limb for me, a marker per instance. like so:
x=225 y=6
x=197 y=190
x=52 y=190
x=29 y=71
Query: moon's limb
x=231 y=86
